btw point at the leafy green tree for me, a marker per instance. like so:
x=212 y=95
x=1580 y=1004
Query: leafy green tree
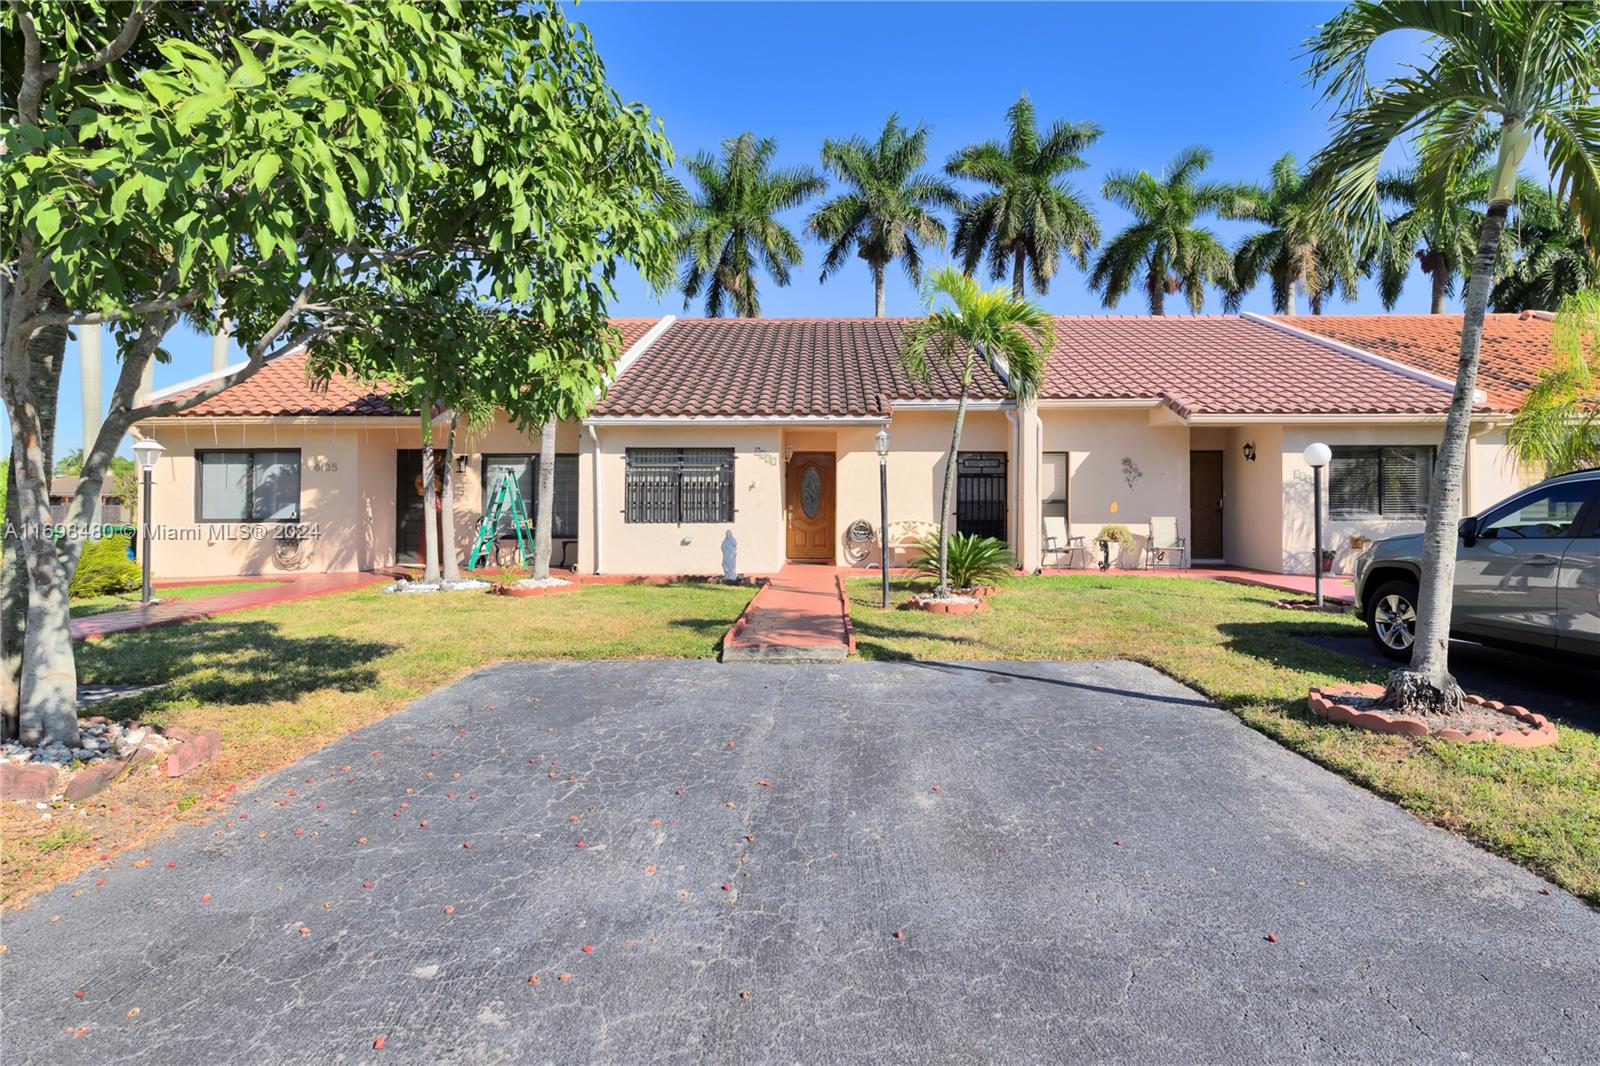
x=887 y=214
x=1163 y=249
x=287 y=167
x=1557 y=428
x=993 y=326
x=1302 y=247
x=1030 y=215
x=733 y=224
x=1524 y=68
x=1554 y=259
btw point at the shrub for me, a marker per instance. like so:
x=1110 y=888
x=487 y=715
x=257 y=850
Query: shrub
x=104 y=568
x=972 y=560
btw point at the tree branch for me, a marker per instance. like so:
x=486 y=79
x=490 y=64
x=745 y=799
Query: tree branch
x=119 y=44
x=34 y=74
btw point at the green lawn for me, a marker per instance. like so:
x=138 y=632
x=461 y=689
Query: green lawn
x=122 y=601
x=1540 y=808
x=285 y=680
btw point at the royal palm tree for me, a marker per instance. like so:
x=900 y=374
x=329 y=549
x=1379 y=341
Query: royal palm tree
x=1525 y=67
x=1554 y=260
x=733 y=224
x=1030 y=214
x=1163 y=249
x=887 y=214
x=1302 y=246
x=975 y=324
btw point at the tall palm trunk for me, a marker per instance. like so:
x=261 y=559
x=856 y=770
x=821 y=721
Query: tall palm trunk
x=1291 y=304
x=1440 y=276
x=1019 y=256
x=878 y=308
x=1426 y=686
x=1156 y=288
x=1316 y=302
x=430 y=514
x=449 y=567
x=948 y=497
x=544 y=506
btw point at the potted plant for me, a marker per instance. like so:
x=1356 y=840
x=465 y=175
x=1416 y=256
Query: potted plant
x=1358 y=544
x=1327 y=560
x=1109 y=535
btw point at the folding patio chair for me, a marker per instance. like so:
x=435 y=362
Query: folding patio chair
x=1059 y=543
x=1165 y=542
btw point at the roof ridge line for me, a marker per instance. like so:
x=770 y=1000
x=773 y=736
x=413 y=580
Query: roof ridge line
x=640 y=346
x=1394 y=365
x=213 y=375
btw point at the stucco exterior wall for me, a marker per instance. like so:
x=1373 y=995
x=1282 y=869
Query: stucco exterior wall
x=1252 y=497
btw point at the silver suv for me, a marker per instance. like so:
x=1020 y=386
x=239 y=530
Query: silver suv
x=1527 y=575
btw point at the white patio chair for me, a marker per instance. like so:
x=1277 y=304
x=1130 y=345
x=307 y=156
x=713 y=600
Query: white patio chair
x=1058 y=542
x=1164 y=543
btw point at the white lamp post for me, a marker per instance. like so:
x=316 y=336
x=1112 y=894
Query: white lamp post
x=146 y=451
x=881 y=442
x=1317 y=456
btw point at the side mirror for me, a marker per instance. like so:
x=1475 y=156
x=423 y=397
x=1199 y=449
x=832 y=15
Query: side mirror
x=1468 y=529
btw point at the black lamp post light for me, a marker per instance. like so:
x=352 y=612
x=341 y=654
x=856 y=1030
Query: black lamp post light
x=146 y=451
x=1317 y=456
x=881 y=442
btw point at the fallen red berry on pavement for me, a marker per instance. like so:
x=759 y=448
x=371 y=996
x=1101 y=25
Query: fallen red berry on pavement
x=581 y=844
x=172 y=866
x=938 y=788
x=1272 y=938
x=206 y=898
x=377 y=1045
x=448 y=909
x=79 y=994
x=899 y=934
x=366 y=884
x=588 y=949
x=727 y=887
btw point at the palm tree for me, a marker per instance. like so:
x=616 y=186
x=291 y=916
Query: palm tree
x=1030 y=215
x=1558 y=425
x=733 y=224
x=1530 y=69
x=1163 y=247
x=887 y=213
x=993 y=326
x=1553 y=263
x=1302 y=247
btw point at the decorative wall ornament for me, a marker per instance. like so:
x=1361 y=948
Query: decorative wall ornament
x=1130 y=471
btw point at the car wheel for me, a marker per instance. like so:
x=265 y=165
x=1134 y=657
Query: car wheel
x=1392 y=618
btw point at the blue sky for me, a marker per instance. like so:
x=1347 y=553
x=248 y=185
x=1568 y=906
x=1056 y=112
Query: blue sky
x=1155 y=76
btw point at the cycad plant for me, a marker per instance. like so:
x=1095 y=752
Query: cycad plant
x=970 y=560
x=1029 y=215
x=1557 y=428
x=1302 y=247
x=888 y=211
x=1523 y=68
x=1009 y=334
x=1164 y=251
x=733 y=225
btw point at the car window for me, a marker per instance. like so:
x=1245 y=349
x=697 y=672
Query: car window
x=1546 y=515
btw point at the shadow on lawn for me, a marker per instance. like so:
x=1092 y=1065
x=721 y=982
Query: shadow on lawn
x=1286 y=646
x=227 y=663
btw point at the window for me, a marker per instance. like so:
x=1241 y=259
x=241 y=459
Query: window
x=677 y=485
x=1550 y=514
x=525 y=468
x=1389 y=482
x=248 y=486
x=981 y=494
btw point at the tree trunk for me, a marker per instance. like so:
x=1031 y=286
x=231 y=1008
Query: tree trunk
x=1426 y=686
x=1316 y=302
x=943 y=588
x=544 y=501
x=1291 y=306
x=1440 y=276
x=878 y=308
x=1156 y=286
x=430 y=497
x=449 y=566
x=1016 y=274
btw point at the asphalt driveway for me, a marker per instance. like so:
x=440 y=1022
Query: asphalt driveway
x=1084 y=862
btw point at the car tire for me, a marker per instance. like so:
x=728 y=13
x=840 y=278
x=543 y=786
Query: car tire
x=1392 y=618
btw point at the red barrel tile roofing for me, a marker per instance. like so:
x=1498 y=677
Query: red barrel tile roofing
x=1515 y=349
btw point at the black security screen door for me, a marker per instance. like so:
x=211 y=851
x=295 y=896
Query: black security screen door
x=981 y=494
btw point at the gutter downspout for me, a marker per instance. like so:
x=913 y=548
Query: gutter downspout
x=1016 y=502
x=599 y=540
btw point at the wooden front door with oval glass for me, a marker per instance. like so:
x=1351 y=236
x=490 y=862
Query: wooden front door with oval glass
x=810 y=507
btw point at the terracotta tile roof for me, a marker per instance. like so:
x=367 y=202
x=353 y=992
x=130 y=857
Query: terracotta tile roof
x=1223 y=365
x=281 y=388
x=779 y=367
x=1515 y=350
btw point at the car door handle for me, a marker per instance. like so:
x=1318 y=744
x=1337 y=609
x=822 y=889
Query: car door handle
x=1542 y=560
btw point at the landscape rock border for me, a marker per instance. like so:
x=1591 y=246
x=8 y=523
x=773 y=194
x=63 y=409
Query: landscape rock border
x=953 y=605
x=1531 y=731
x=521 y=590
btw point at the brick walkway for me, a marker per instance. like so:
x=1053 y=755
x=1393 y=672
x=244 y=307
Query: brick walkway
x=163 y=614
x=798 y=616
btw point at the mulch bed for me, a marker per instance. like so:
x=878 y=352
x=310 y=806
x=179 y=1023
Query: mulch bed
x=1480 y=720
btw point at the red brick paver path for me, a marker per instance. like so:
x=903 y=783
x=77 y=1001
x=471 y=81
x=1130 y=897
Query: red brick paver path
x=162 y=614
x=798 y=615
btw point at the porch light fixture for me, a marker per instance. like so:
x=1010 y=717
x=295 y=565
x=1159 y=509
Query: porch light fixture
x=788 y=453
x=1317 y=456
x=146 y=452
x=880 y=441
x=1250 y=451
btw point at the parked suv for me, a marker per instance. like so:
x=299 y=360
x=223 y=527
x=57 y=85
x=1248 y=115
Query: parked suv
x=1527 y=575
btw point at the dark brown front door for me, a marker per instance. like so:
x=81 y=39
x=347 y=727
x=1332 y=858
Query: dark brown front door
x=810 y=507
x=408 y=501
x=1205 y=505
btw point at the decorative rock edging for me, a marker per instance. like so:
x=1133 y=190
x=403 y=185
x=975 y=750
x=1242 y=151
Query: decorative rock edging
x=954 y=606
x=1532 y=731
x=533 y=590
x=41 y=782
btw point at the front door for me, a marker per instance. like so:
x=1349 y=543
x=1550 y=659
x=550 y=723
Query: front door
x=1205 y=505
x=810 y=507
x=408 y=528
